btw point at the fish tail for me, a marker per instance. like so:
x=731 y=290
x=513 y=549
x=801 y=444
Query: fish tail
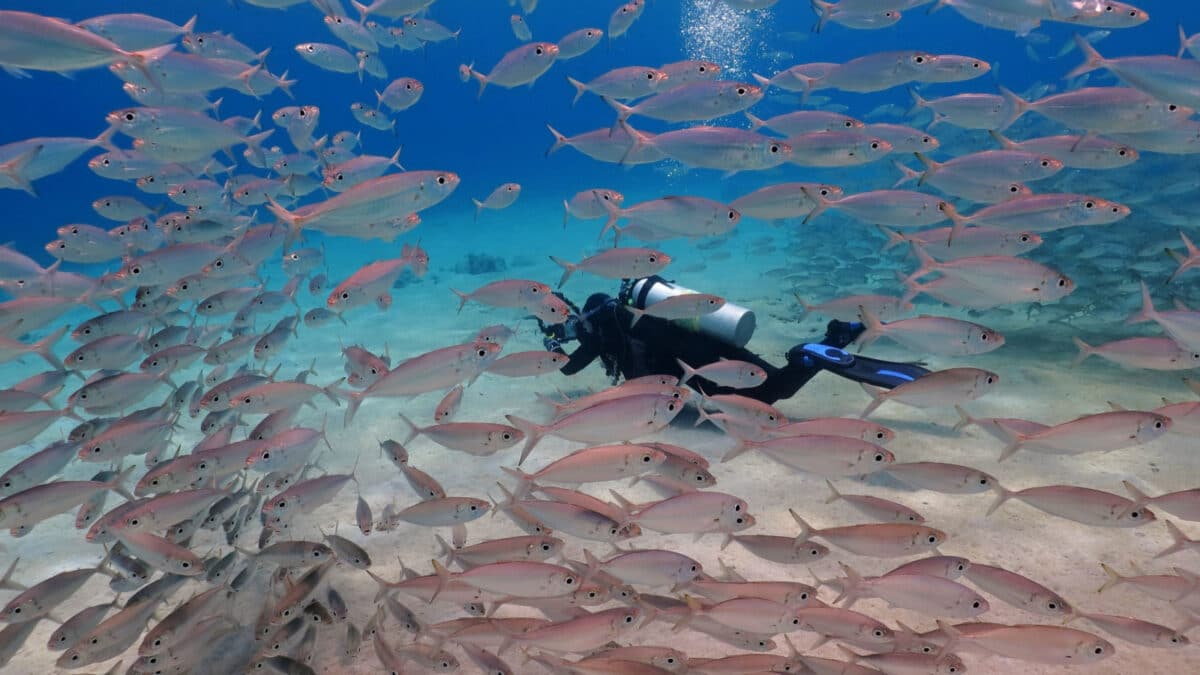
x=1085 y=350
x=823 y=11
x=1002 y=495
x=483 y=81
x=1140 y=498
x=1019 y=107
x=447 y=550
x=877 y=399
x=931 y=167
x=639 y=141
x=807 y=307
x=851 y=586
x=580 y=88
x=1113 y=578
x=14 y=169
x=462 y=299
x=443 y=575
x=907 y=175
x=959 y=222
x=928 y=264
x=1092 y=58
x=568 y=269
x=755 y=123
x=478 y=208
x=45 y=348
x=821 y=202
x=143 y=58
x=964 y=419
x=533 y=433
x=294 y=223
x=693 y=607
x=806 y=530
x=764 y=82
x=623 y=112
x=918 y=102
x=6 y=581
x=875 y=328
x=637 y=314
x=354 y=399
x=1192 y=255
x=688 y=373
x=115 y=483
x=1147 y=312
x=566 y=213
x=559 y=142
x=525 y=483
x=362 y=10
x=953 y=635
x=1016 y=440
x=1179 y=541
x=412 y=432
x=740 y=449
x=834 y=495
x=894 y=238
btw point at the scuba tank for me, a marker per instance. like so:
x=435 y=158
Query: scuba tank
x=732 y=323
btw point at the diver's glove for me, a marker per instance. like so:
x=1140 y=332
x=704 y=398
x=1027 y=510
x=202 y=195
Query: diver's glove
x=552 y=345
x=841 y=333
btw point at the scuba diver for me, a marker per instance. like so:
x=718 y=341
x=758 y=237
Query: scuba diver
x=654 y=346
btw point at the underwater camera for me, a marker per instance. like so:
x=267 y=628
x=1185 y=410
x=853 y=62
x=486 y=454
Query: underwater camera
x=732 y=323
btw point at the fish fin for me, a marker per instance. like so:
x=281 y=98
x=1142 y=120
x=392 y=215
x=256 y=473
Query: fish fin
x=462 y=299
x=1002 y=495
x=834 y=495
x=1147 y=313
x=822 y=202
x=1179 y=541
x=354 y=400
x=568 y=268
x=688 y=373
x=875 y=328
x=964 y=419
x=6 y=581
x=525 y=482
x=1113 y=578
x=14 y=169
x=931 y=167
x=1085 y=350
x=623 y=112
x=1019 y=107
x=580 y=89
x=958 y=222
x=639 y=141
x=1092 y=58
x=412 y=432
x=1140 y=498
x=823 y=10
x=625 y=505
x=952 y=637
x=928 y=264
x=806 y=530
x=637 y=314
x=755 y=123
x=533 y=433
x=1016 y=440
x=45 y=348
x=559 y=142
x=894 y=238
x=918 y=103
x=443 y=575
x=878 y=397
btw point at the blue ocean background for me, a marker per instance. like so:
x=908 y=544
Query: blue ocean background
x=503 y=137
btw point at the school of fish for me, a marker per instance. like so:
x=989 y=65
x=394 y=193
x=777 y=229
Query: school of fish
x=211 y=513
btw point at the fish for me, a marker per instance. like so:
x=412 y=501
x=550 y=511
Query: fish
x=500 y=198
x=522 y=65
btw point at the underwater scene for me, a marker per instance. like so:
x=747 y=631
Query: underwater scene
x=598 y=337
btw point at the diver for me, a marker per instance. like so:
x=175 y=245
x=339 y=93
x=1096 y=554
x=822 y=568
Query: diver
x=653 y=345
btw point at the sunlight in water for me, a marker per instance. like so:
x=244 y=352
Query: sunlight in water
x=714 y=31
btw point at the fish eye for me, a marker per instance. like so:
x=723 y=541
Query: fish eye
x=345 y=295
x=741 y=91
x=1135 y=514
x=538 y=51
x=874 y=145
x=1062 y=283
x=481 y=353
x=774 y=148
x=739 y=521
x=918 y=59
x=441 y=180
x=266 y=455
x=976 y=65
x=932 y=539
x=1025 y=239
x=569 y=580
x=733 y=214
x=1172 y=107
x=629 y=619
x=1098 y=650
x=1014 y=188
x=877 y=633
x=647 y=458
x=879 y=457
x=1121 y=152
x=129 y=117
x=135 y=270
x=1158 y=424
x=989 y=379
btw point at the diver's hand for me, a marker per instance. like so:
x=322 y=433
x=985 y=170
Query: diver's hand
x=552 y=345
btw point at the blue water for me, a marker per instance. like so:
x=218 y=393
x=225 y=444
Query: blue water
x=502 y=137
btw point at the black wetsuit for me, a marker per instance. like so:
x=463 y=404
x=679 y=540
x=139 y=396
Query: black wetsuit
x=652 y=346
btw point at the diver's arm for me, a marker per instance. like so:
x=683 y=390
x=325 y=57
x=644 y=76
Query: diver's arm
x=580 y=358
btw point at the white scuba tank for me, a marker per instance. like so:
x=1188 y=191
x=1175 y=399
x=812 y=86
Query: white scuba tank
x=732 y=323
